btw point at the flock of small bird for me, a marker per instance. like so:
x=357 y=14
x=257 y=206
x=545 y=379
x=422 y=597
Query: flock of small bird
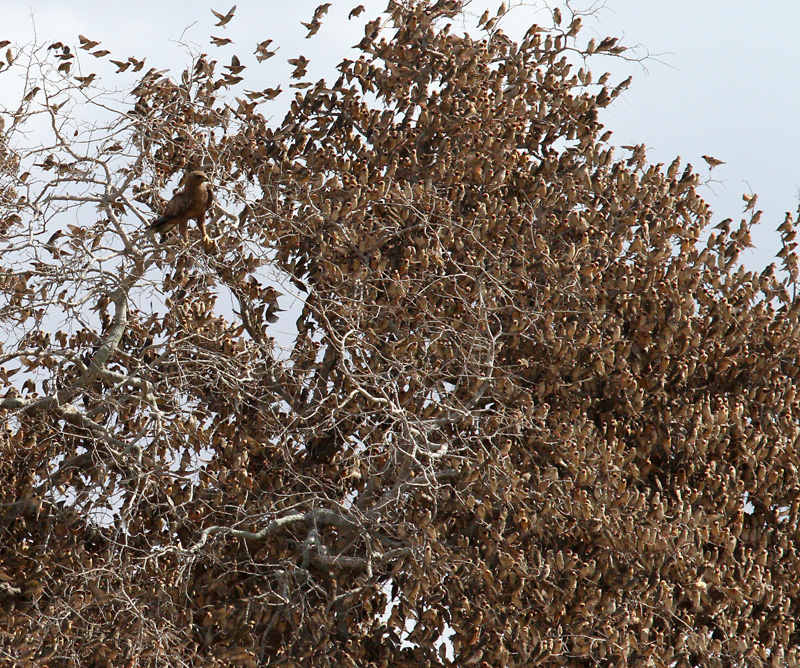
x=536 y=404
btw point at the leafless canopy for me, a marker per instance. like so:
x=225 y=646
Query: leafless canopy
x=530 y=412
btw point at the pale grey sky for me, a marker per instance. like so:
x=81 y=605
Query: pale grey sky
x=723 y=79
x=729 y=87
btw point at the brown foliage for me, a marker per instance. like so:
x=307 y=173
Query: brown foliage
x=526 y=406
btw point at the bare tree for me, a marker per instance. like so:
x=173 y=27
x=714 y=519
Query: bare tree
x=528 y=417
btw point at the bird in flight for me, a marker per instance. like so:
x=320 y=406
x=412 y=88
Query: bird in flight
x=224 y=18
x=191 y=202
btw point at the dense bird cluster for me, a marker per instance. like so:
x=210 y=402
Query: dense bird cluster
x=536 y=411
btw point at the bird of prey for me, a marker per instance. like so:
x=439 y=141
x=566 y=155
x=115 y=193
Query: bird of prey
x=193 y=201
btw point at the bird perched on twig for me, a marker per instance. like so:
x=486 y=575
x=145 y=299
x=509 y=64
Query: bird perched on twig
x=712 y=161
x=191 y=202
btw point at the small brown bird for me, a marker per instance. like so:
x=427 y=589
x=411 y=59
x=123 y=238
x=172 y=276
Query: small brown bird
x=320 y=11
x=712 y=162
x=86 y=43
x=300 y=65
x=261 y=51
x=192 y=202
x=137 y=64
x=312 y=27
x=224 y=18
x=355 y=12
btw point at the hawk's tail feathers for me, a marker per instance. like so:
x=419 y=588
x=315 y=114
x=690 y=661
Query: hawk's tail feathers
x=159 y=224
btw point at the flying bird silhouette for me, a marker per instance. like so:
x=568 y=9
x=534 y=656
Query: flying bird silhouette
x=224 y=18
x=191 y=202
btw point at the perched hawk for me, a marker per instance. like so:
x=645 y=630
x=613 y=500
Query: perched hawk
x=191 y=202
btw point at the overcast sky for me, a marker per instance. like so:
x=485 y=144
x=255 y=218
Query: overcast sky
x=722 y=78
